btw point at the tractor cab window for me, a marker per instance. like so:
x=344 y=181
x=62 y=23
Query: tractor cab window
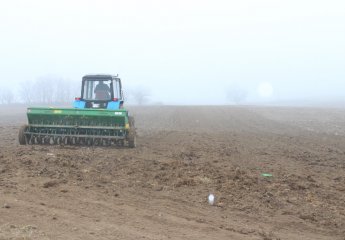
x=97 y=90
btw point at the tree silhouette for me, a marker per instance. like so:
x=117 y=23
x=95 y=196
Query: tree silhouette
x=236 y=94
x=6 y=96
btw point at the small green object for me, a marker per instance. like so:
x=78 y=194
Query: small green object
x=267 y=175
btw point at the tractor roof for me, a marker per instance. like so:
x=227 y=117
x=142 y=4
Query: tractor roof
x=98 y=77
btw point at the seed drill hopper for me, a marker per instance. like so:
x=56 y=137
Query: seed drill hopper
x=97 y=118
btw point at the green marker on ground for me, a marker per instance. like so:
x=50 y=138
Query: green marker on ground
x=267 y=175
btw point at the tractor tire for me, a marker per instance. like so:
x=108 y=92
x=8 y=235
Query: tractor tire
x=132 y=135
x=132 y=141
x=21 y=136
x=131 y=122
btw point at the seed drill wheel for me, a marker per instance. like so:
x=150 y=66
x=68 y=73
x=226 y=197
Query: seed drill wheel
x=132 y=135
x=21 y=136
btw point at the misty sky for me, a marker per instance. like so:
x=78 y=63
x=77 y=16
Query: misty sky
x=183 y=51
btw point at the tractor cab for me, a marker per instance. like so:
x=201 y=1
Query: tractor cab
x=100 y=92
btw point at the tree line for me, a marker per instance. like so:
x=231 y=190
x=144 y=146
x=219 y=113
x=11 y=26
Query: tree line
x=55 y=90
x=44 y=90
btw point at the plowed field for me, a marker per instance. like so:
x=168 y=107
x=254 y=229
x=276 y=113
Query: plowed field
x=159 y=190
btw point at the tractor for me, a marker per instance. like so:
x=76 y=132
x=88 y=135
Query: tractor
x=97 y=118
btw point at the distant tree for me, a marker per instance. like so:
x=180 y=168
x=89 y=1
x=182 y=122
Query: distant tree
x=49 y=90
x=44 y=89
x=236 y=94
x=139 y=95
x=6 y=96
x=75 y=90
x=26 y=91
x=62 y=91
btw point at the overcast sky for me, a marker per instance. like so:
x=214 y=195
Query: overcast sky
x=186 y=51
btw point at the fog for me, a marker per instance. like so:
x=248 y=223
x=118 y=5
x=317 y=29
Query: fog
x=181 y=52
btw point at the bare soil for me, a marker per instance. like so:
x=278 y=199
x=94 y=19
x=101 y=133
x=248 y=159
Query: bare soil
x=159 y=190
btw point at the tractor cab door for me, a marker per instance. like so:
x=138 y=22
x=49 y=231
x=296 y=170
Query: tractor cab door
x=118 y=94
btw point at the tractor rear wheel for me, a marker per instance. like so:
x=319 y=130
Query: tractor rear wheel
x=132 y=135
x=132 y=140
x=21 y=136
